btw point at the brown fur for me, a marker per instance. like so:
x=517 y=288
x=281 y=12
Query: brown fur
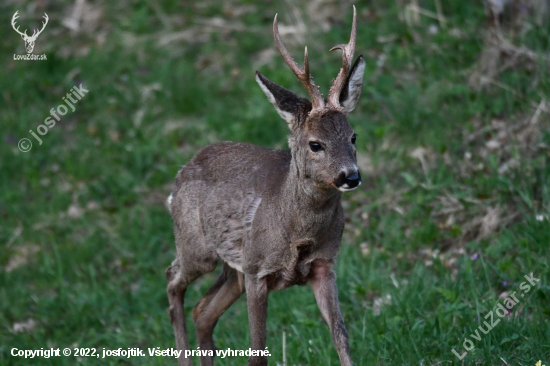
x=273 y=217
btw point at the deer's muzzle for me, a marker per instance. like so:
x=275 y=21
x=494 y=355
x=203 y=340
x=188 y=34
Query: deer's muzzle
x=348 y=181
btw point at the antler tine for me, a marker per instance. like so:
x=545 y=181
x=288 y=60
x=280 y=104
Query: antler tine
x=348 y=51
x=306 y=63
x=46 y=20
x=317 y=99
x=13 y=19
x=43 y=24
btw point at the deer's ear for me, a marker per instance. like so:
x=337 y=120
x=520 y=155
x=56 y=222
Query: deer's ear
x=291 y=107
x=354 y=84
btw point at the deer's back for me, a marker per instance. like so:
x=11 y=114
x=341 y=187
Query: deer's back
x=231 y=163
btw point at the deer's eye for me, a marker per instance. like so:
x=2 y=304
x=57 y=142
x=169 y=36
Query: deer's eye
x=353 y=138
x=315 y=146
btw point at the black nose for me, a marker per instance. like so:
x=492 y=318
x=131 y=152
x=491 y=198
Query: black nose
x=348 y=182
x=353 y=180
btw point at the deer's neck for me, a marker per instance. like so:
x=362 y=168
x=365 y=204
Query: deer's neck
x=302 y=195
x=309 y=209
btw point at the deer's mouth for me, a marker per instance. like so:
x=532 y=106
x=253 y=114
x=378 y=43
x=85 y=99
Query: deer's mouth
x=346 y=183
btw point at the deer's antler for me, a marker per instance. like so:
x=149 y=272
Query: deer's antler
x=347 y=58
x=317 y=99
x=15 y=16
x=36 y=33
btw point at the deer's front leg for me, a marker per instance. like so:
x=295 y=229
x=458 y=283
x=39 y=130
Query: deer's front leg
x=256 y=300
x=326 y=294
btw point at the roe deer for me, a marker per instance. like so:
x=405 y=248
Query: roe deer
x=272 y=217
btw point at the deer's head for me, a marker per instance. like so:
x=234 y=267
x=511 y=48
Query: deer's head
x=29 y=40
x=322 y=141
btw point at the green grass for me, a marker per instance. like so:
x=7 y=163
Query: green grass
x=84 y=214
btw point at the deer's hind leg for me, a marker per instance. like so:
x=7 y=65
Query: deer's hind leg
x=193 y=259
x=179 y=276
x=225 y=291
x=176 y=292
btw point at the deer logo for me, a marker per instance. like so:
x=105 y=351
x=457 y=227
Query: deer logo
x=29 y=41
